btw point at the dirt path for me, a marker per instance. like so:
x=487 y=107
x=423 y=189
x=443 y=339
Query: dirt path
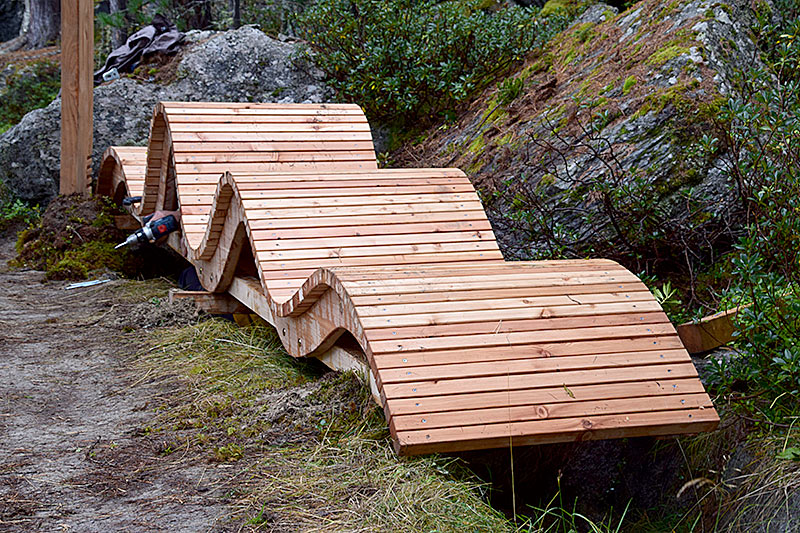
x=72 y=457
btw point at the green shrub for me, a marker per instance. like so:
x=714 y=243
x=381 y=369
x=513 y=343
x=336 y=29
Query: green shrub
x=17 y=212
x=408 y=60
x=762 y=136
x=274 y=16
x=34 y=87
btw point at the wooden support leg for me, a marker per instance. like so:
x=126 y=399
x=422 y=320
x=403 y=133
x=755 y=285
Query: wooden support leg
x=77 y=62
x=211 y=303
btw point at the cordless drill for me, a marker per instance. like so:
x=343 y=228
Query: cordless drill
x=152 y=230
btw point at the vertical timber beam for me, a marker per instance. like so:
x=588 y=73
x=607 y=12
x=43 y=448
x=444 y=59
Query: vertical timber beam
x=77 y=86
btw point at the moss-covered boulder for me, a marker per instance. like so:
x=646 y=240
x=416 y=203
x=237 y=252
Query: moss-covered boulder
x=613 y=110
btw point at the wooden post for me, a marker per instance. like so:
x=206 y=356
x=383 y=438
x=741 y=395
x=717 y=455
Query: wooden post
x=77 y=62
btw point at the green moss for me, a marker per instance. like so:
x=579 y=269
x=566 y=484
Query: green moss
x=477 y=146
x=663 y=55
x=553 y=6
x=628 y=84
x=575 y=43
x=28 y=88
x=495 y=113
x=78 y=263
x=542 y=64
x=505 y=139
x=474 y=167
x=585 y=31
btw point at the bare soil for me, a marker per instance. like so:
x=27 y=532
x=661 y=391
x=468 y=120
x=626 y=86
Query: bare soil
x=74 y=451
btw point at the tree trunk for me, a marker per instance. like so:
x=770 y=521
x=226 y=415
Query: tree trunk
x=196 y=13
x=237 y=14
x=45 y=24
x=119 y=34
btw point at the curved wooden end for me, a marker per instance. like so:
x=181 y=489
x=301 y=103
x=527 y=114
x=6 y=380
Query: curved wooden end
x=121 y=172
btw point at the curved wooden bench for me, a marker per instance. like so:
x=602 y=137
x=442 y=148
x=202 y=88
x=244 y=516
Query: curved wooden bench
x=467 y=351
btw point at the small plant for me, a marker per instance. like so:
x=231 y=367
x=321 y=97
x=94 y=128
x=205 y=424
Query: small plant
x=17 y=212
x=628 y=84
x=510 y=89
x=228 y=453
x=557 y=517
x=760 y=128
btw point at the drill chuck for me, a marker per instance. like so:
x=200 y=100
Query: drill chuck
x=151 y=232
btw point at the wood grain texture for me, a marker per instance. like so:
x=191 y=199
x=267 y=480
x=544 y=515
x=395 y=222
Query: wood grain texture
x=284 y=208
x=77 y=98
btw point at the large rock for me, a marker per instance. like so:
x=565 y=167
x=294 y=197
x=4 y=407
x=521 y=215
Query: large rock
x=241 y=65
x=247 y=66
x=650 y=78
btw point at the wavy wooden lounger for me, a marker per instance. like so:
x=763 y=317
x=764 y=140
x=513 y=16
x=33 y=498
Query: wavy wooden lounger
x=284 y=208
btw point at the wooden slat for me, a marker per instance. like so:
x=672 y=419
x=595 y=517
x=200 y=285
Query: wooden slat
x=487 y=255
x=519 y=338
x=550 y=411
x=256 y=137
x=341 y=252
x=592 y=286
x=370 y=230
x=549 y=431
x=240 y=118
x=243 y=127
x=506 y=326
x=533 y=396
x=529 y=364
x=544 y=379
x=527 y=312
x=275 y=145
x=503 y=353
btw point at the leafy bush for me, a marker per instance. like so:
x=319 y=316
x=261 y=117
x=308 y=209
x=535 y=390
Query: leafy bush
x=409 y=60
x=764 y=145
x=27 y=89
x=17 y=211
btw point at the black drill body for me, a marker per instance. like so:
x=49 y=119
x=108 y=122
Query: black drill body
x=152 y=231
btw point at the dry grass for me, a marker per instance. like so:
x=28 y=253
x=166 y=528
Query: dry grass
x=764 y=492
x=306 y=448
